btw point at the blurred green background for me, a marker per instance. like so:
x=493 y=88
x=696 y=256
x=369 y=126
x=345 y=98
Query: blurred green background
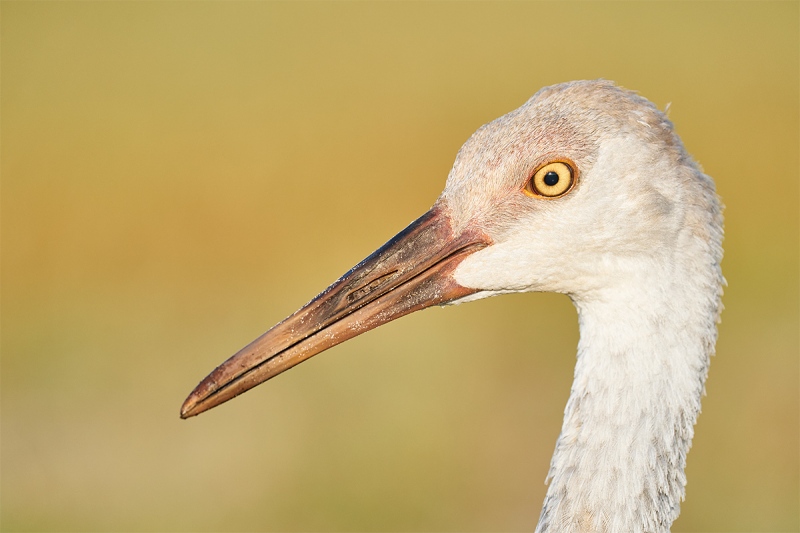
x=179 y=176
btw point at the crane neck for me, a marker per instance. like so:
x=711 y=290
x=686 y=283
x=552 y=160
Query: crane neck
x=642 y=361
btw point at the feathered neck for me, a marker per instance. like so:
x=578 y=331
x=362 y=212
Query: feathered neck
x=642 y=362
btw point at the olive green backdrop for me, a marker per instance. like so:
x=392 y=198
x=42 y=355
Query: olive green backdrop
x=179 y=176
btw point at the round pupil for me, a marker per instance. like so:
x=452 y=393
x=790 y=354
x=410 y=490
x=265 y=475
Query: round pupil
x=551 y=178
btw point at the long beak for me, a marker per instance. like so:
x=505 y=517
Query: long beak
x=410 y=272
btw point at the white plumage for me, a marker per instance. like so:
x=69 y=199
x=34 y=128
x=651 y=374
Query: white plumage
x=633 y=237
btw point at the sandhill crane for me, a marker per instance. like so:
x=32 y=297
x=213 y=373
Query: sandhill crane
x=584 y=190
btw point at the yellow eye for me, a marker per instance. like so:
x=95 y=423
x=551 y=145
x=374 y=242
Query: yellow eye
x=551 y=180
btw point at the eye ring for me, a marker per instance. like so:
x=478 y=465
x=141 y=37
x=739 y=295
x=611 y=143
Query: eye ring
x=552 y=180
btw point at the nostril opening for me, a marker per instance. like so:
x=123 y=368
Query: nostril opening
x=371 y=286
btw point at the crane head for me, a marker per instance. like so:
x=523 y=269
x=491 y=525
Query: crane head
x=541 y=199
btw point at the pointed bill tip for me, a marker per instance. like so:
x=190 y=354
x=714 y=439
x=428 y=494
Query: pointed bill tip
x=186 y=410
x=189 y=407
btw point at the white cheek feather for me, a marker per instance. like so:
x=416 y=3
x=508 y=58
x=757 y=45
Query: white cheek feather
x=574 y=245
